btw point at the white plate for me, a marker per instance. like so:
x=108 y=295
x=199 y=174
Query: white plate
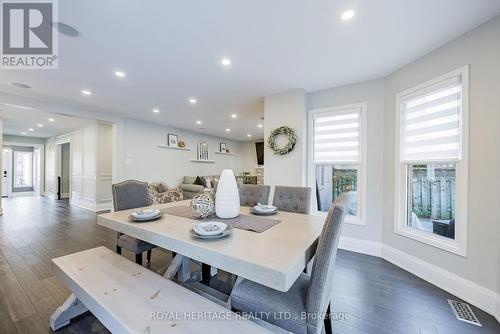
x=265 y=208
x=224 y=234
x=145 y=219
x=209 y=228
x=147 y=213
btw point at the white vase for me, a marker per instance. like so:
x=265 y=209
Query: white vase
x=227 y=197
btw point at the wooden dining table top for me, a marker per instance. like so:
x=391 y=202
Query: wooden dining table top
x=274 y=258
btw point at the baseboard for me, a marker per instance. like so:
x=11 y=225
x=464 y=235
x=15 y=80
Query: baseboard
x=361 y=246
x=96 y=207
x=475 y=294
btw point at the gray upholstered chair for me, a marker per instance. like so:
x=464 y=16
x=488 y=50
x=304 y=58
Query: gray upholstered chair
x=251 y=194
x=292 y=199
x=309 y=295
x=131 y=194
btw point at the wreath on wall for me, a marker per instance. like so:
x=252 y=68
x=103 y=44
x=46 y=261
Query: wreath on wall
x=282 y=131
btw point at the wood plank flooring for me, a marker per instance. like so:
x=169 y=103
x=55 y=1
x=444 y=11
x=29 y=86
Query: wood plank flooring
x=376 y=296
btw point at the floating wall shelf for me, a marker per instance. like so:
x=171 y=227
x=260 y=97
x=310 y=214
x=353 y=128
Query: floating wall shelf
x=225 y=153
x=206 y=161
x=175 y=147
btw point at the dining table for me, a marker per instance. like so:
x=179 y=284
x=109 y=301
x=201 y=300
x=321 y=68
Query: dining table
x=274 y=258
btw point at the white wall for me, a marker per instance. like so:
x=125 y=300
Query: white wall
x=23 y=139
x=371 y=92
x=286 y=109
x=249 y=156
x=481 y=49
x=145 y=161
x=91 y=166
x=50 y=168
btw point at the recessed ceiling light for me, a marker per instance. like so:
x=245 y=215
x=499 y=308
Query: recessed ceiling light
x=20 y=85
x=86 y=92
x=226 y=62
x=31 y=129
x=120 y=74
x=40 y=125
x=51 y=120
x=198 y=122
x=23 y=133
x=156 y=110
x=347 y=15
x=65 y=29
x=228 y=130
x=233 y=116
x=260 y=125
x=193 y=100
x=249 y=135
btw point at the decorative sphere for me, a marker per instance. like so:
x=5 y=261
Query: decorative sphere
x=203 y=204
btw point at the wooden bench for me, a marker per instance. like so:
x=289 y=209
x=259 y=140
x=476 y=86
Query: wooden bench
x=128 y=298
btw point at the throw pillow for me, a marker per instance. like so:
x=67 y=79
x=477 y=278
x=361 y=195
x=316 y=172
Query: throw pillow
x=174 y=195
x=162 y=187
x=199 y=181
x=207 y=182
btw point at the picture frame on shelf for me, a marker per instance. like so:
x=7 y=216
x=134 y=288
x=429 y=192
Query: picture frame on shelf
x=223 y=148
x=172 y=140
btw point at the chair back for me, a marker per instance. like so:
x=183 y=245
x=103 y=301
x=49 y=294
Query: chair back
x=292 y=199
x=321 y=283
x=251 y=194
x=130 y=194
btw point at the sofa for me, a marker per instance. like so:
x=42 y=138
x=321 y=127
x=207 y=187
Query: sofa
x=160 y=193
x=190 y=189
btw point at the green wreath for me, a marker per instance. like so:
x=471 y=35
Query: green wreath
x=285 y=131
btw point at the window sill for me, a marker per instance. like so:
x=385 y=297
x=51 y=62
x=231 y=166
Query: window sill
x=354 y=220
x=449 y=245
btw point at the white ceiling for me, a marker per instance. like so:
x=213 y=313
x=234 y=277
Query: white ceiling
x=18 y=120
x=171 y=50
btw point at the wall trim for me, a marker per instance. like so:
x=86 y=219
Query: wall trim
x=92 y=206
x=473 y=293
x=362 y=246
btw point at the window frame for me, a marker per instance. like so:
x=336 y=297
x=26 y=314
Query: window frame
x=459 y=244
x=360 y=219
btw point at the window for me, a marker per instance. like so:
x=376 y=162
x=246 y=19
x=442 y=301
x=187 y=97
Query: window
x=336 y=155
x=22 y=170
x=431 y=164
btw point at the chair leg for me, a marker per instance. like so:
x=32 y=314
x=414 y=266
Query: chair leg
x=138 y=258
x=118 y=250
x=328 y=321
x=205 y=273
x=148 y=255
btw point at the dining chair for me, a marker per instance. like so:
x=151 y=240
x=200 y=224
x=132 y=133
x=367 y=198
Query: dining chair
x=310 y=295
x=251 y=194
x=131 y=194
x=292 y=199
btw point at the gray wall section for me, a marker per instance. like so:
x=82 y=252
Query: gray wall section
x=481 y=49
x=65 y=157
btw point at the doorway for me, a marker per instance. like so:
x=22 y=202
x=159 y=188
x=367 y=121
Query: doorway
x=6 y=172
x=64 y=188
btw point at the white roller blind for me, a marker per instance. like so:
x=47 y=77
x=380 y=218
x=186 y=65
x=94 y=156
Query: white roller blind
x=431 y=122
x=337 y=136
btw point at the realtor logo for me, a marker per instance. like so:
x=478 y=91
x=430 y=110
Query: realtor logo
x=28 y=40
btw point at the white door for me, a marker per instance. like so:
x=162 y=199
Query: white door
x=6 y=171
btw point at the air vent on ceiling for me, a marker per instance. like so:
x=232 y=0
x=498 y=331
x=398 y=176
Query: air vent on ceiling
x=463 y=312
x=65 y=29
x=20 y=85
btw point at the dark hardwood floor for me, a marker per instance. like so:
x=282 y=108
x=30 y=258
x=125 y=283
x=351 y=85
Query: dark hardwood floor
x=376 y=296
